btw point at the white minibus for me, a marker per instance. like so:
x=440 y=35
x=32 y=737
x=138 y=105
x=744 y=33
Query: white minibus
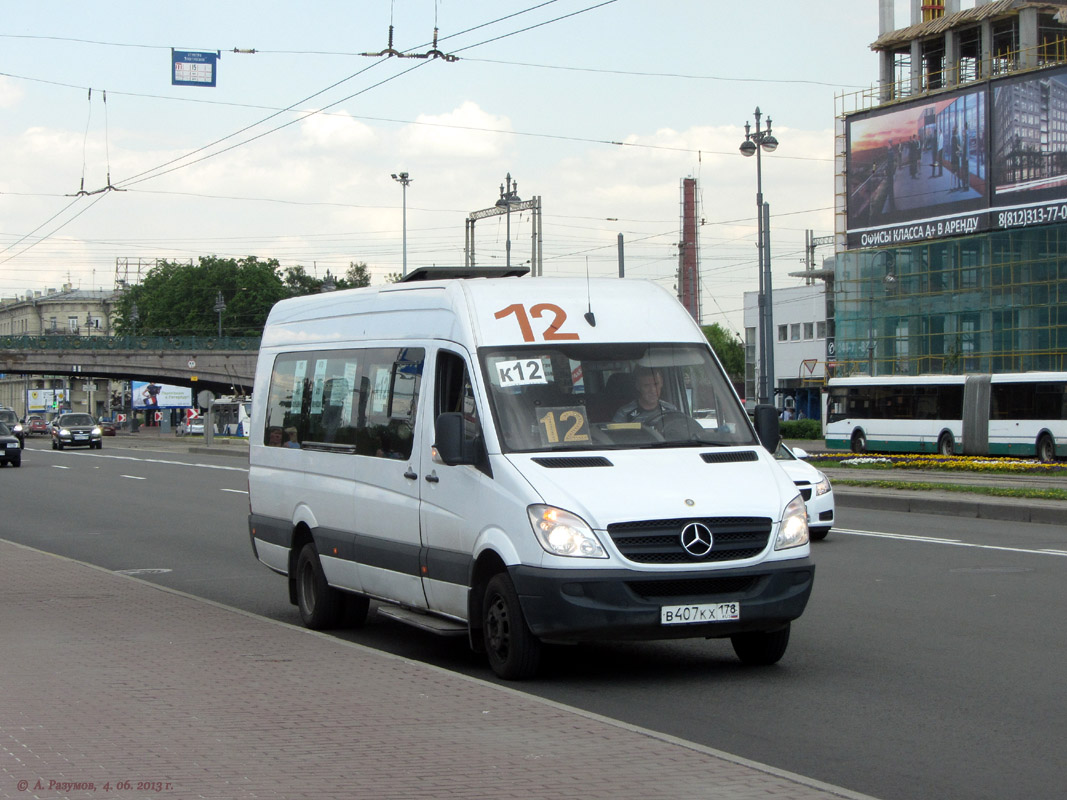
x=518 y=461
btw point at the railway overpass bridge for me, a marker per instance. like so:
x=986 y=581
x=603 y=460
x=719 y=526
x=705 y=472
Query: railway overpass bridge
x=223 y=365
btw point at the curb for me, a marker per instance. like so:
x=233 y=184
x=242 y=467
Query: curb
x=1036 y=511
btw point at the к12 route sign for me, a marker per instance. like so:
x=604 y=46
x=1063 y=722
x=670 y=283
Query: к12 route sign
x=193 y=68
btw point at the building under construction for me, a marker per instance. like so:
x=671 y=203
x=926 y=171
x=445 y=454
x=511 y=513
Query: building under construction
x=951 y=195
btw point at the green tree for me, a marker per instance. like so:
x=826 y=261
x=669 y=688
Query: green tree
x=728 y=347
x=298 y=282
x=176 y=299
x=357 y=276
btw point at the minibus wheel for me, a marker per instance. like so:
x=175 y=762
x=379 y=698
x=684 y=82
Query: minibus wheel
x=320 y=605
x=761 y=648
x=514 y=652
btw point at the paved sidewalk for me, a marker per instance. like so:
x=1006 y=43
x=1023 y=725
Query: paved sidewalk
x=107 y=679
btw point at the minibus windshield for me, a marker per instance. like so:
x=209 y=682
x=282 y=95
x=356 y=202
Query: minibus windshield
x=611 y=396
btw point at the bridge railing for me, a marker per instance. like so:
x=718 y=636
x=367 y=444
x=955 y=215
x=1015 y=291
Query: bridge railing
x=191 y=344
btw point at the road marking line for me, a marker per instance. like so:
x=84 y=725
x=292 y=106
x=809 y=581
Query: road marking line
x=134 y=477
x=159 y=461
x=951 y=542
x=235 y=491
x=59 y=466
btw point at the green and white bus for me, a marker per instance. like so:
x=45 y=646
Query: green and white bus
x=1019 y=414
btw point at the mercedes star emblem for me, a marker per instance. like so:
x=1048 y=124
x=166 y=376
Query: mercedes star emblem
x=697 y=539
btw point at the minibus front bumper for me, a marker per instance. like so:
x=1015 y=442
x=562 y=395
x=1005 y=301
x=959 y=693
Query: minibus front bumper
x=622 y=604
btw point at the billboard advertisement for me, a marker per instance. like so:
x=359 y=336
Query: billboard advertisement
x=1029 y=149
x=918 y=170
x=149 y=394
x=47 y=399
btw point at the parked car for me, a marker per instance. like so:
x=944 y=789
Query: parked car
x=10 y=448
x=814 y=488
x=108 y=427
x=194 y=428
x=35 y=424
x=76 y=430
x=9 y=418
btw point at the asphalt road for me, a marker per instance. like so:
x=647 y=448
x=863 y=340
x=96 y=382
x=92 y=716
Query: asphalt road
x=929 y=662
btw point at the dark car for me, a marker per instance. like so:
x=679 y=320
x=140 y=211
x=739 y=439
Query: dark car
x=76 y=430
x=10 y=449
x=34 y=425
x=11 y=420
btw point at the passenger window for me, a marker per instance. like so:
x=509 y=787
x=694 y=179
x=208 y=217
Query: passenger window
x=391 y=380
x=351 y=401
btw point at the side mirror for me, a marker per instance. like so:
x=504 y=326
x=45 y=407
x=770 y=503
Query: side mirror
x=800 y=452
x=449 y=443
x=767 y=427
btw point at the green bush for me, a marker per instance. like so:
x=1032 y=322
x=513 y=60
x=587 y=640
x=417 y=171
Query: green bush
x=801 y=429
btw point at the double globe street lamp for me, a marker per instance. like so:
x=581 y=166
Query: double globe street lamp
x=755 y=141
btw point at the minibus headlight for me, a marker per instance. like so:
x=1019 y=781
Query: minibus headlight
x=564 y=534
x=823 y=486
x=793 y=532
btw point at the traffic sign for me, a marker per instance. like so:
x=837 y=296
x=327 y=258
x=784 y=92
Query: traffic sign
x=158 y=416
x=192 y=68
x=191 y=414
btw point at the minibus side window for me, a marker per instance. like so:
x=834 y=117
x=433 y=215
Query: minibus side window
x=346 y=401
x=391 y=380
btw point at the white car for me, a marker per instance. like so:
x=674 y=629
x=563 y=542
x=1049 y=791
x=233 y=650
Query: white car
x=194 y=428
x=814 y=488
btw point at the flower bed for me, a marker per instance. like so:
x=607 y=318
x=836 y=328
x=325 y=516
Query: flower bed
x=937 y=462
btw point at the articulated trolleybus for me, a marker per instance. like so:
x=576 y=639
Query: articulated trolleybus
x=1018 y=414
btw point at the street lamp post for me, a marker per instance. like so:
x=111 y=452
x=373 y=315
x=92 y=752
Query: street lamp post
x=220 y=306
x=404 y=179
x=508 y=195
x=763 y=139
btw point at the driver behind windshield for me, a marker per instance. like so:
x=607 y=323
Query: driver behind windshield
x=647 y=407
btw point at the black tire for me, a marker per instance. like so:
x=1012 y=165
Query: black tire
x=321 y=606
x=946 y=445
x=1046 y=450
x=17 y=462
x=514 y=652
x=859 y=442
x=818 y=534
x=761 y=648
x=58 y=445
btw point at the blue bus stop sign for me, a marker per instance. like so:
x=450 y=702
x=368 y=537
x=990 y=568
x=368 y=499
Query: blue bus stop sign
x=193 y=68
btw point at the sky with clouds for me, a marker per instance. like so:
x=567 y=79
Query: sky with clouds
x=599 y=108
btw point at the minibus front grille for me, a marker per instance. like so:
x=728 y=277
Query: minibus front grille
x=732 y=457
x=695 y=589
x=659 y=541
x=565 y=462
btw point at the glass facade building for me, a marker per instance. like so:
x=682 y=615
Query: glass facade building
x=991 y=302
